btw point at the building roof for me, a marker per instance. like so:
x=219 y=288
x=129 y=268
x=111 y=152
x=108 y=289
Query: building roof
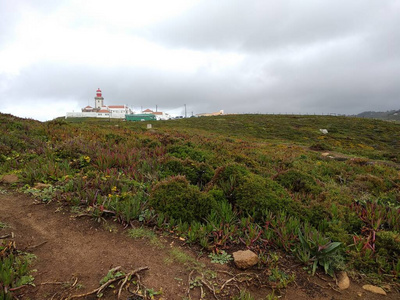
x=88 y=106
x=116 y=106
x=148 y=110
x=104 y=111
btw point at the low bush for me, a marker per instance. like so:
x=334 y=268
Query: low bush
x=297 y=181
x=178 y=199
x=256 y=194
x=228 y=177
x=197 y=173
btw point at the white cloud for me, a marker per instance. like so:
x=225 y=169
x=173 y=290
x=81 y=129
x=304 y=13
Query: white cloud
x=42 y=111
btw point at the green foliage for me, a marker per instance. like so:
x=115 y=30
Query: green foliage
x=178 y=199
x=243 y=295
x=14 y=269
x=297 y=181
x=197 y=173
x=142 y=232
x=3 y=225
x=388 y=243
x=256 y=194
x=318 y=250
x=220 y=258
x=188 y=151
x=112 y=274
x=228 y=178
x=209 y=179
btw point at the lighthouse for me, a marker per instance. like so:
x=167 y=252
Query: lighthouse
x=98 y=100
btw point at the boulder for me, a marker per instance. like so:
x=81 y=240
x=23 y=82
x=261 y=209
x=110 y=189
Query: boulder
x=10 y=178
x=343 y=281
x=374 y=289
x=245 y=259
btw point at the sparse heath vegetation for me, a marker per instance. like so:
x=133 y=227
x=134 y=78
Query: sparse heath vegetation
x=236 y=180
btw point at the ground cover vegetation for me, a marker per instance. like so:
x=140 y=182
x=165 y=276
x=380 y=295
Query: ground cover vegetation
x=243 y=181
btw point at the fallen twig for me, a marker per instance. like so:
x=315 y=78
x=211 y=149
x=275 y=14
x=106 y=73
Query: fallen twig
x=35 y=246
x=189 y=280
x=5 y=236
x=333 y=288
x=128 y=276
x=18 y=287
x=75 y=282
x=55 y=282
x=226 y=282
x=105 y=285
x=208 y=286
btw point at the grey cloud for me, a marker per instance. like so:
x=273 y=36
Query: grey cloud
x=298 y=57
x=264 y=25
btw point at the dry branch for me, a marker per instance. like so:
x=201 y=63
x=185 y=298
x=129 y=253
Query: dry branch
x=105 y=285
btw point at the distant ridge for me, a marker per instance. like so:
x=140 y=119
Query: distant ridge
x=387 y=115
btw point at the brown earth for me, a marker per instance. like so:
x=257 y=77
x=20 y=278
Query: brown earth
x=74 y=253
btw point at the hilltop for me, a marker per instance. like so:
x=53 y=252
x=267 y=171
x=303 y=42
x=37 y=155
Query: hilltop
x=387 y=115
x=274 y=184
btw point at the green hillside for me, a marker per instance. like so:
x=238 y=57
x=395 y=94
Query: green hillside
x=393 y=115
x=252 y=181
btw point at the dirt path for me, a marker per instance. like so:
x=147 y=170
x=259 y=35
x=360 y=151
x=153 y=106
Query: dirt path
x=70 y=248
x=81 y=248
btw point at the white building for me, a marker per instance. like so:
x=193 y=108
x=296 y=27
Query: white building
x=159 y=115
x=100 y=110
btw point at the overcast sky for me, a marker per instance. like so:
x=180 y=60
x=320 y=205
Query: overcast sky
x=255 y=56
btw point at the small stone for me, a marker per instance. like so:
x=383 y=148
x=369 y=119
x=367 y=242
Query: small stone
x=41 y=186
x=324 y=131
x=10 y=178
x=245 y=259
x=325 y=154
x=343 y=281
x=374 y=289
x=359 y=294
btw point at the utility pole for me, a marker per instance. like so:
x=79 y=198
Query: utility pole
x=185 y=112
x=156 y=107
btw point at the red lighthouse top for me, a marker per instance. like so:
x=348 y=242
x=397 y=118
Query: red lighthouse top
x=98 y=92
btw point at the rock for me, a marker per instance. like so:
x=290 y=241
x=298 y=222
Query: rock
x=374 y=289
x=324 y=131
x=10 y=178
x=325 y=154
x=245 y=259
x=41 y=186
x=343 y=281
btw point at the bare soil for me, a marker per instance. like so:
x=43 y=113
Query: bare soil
x=74 y=253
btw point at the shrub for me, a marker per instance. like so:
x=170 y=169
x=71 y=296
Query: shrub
x=228 y=178
x=369 y=183
x=297 y=181
x=257 y=194
x=188 y=151
x=389 y=242
x=320 y=146
x=197 y=173
x=180 y=200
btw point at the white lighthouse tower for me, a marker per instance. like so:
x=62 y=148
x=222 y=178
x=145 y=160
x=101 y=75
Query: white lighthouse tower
x=98 y=100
